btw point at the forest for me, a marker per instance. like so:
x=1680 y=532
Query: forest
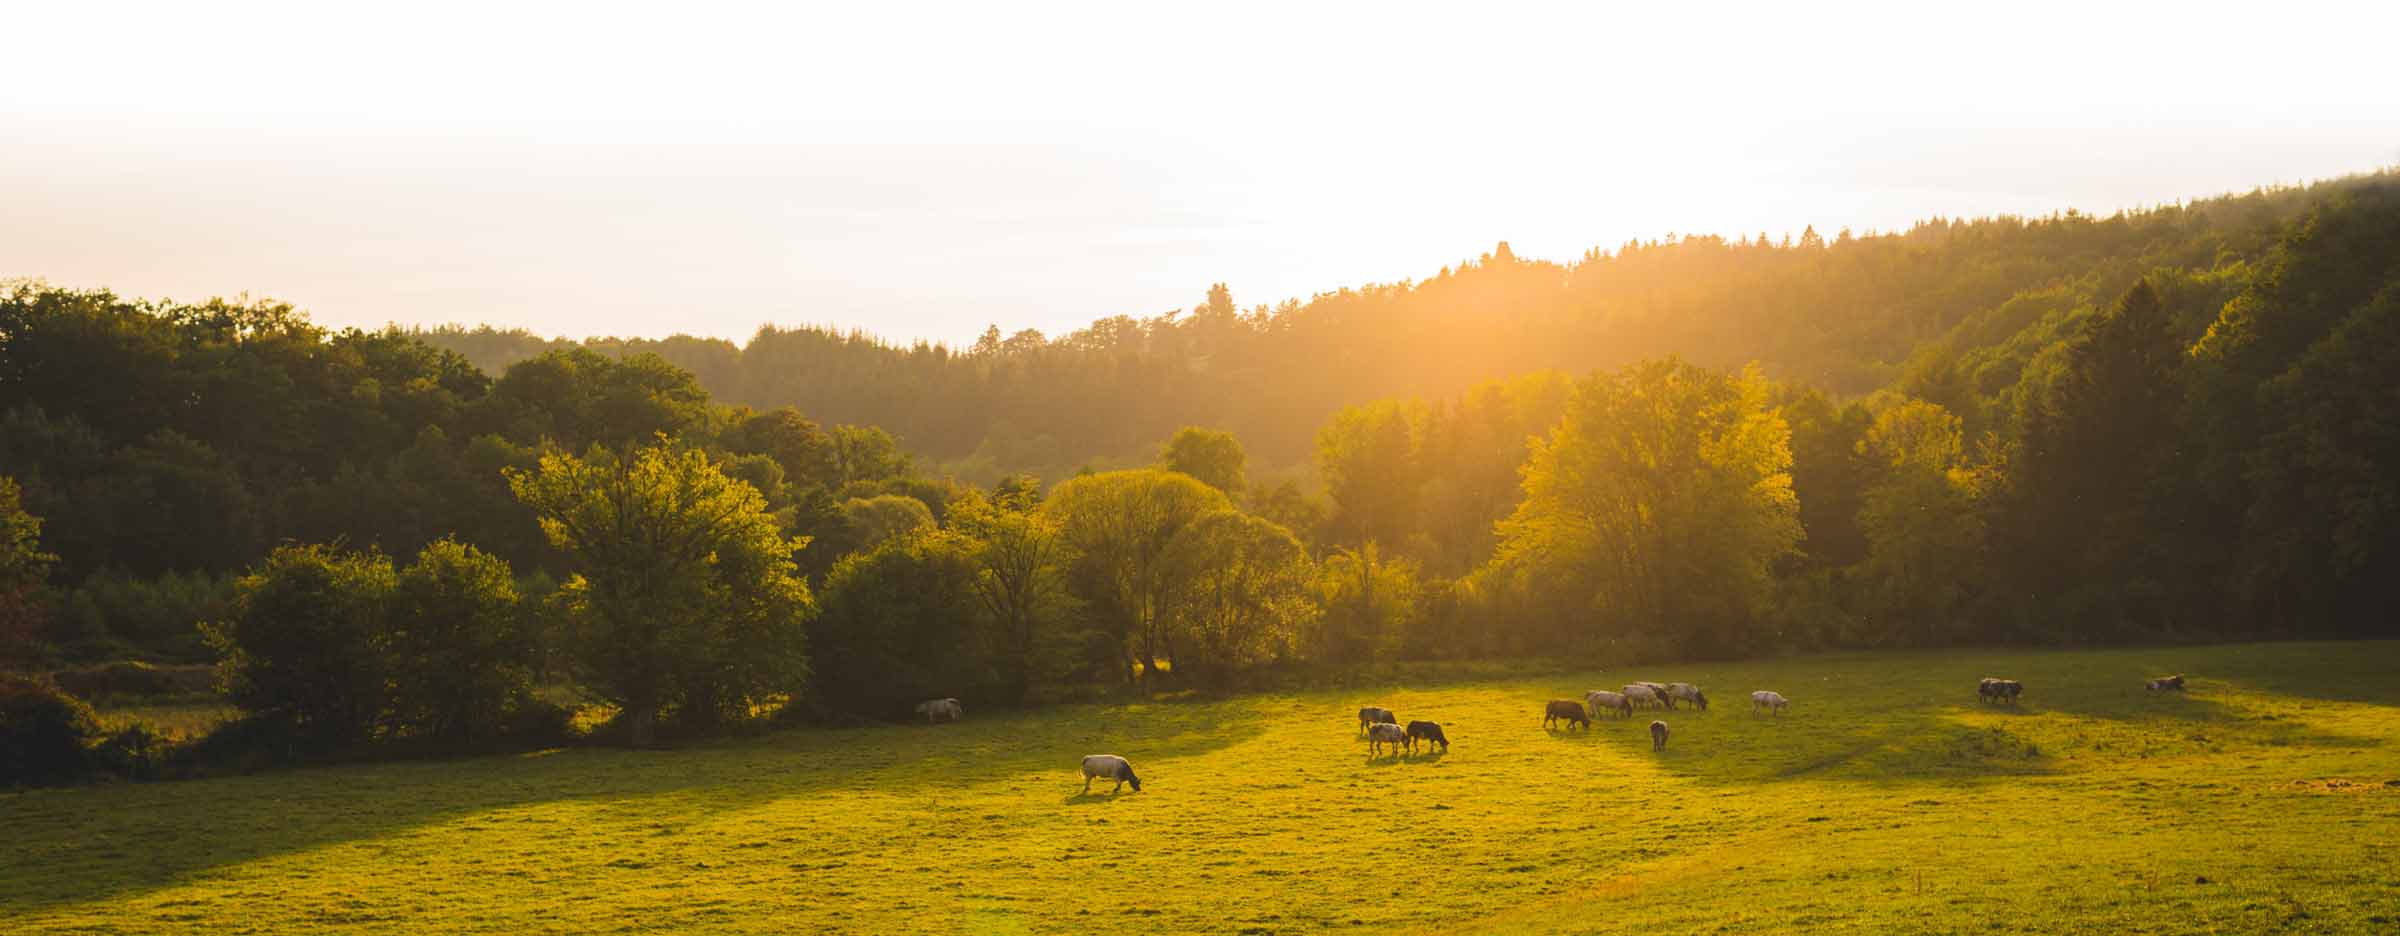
x=2166 y=425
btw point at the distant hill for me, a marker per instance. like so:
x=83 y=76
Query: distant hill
x=1957 y=310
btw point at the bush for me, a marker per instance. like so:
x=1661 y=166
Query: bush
x=112 y=614
x=901 y=624
x=456 y=646
x=133 y=678
x=138 y=752
x=538 y=722
x=301 y=648
x=44 y=733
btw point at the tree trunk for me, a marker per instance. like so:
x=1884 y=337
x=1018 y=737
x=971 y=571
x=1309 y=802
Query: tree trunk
x=641 y=724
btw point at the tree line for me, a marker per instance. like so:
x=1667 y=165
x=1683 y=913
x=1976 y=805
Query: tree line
x=2205 y=453
x=1847 y=313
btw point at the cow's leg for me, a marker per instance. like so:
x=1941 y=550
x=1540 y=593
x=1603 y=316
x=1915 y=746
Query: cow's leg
x=1087 y=783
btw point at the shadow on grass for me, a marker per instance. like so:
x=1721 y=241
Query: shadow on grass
x=1095 y=797
x=81 y=845
x=1909 y=718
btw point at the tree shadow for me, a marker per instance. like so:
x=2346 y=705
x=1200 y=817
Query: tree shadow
x=79 y=845
x=1907 y=718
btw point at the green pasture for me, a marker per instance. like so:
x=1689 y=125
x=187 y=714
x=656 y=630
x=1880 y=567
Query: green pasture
x=2267 y=799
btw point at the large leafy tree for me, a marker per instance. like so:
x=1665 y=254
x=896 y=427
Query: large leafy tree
x=1021 y=559
x=1121 y=525
x=1244 y=590
x=1923 y=525
x=685 y=595
x=1661 y=504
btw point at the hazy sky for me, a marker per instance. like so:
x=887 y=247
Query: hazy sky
x=921 y=170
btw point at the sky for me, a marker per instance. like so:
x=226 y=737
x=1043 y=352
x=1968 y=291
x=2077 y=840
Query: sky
x=922 y=170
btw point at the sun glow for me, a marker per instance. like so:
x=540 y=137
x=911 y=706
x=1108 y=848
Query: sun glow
x=922 y=172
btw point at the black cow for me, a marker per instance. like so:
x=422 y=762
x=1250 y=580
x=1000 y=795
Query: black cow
x=1427 y=732
x=1566 y=710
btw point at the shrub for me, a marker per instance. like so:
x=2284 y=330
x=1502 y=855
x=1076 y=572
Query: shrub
x=44 y=733
x=900 y=624
x=301 y=647
x=458 y=648
x=132 y=678
x=137 y=752
x=112 y=613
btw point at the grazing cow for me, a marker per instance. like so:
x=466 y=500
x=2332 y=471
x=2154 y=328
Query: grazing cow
x=1770 y=701
x=941 y=710
x=1999 y=690
x=1686 y=692
x=1658 y=736
x=1640 y=695
x=1427 y=732
x=1600 y=700
x=1376 y=716
x=1566 y=710
x=2174 y=682
x=1382 y=733
x=1109 y=767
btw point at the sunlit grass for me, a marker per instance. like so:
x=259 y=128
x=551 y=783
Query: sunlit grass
x=172 y=719
x=1887 y=799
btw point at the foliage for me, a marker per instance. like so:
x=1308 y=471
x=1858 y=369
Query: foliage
x=123 y=679
x=1121 y=526
x=457 y=644
x=2158 y=425
x=112 y=614
x=1210 y=455
x=1924 y=530
x=24 y=567
x=1244 y=591
x=44 y=733
x=1367 y=601
x=1021 y=560
x=875 y=520
x=904 y=622
x=301 y=650
x=1661 y=504
x=685 y=594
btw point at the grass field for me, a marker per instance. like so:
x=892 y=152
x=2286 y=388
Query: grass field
x=1888 y=799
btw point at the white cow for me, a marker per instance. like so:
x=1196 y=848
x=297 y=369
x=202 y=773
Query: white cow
x=1599 y=700
x=1109 y=767
x=941 y=710
x=1770 y=701
x=1382 y=733
x=1642 y=696
x=1686 y=692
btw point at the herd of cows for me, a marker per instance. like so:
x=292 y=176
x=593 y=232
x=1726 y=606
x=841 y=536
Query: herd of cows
x=1381 y=727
